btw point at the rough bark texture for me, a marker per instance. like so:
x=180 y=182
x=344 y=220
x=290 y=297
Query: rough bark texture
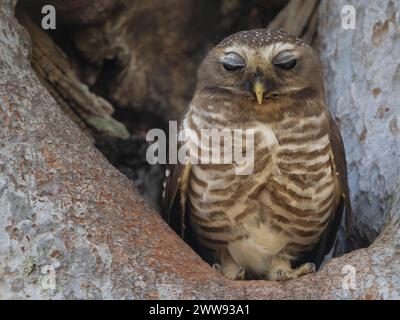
x=62 y=204
x=362 y=78
x=56 y=73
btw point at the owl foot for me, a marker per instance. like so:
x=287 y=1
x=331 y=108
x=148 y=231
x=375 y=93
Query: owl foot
x=217 y=267
x=285 y=275
x=230 y=273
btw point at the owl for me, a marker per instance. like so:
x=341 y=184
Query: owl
x=279 y=221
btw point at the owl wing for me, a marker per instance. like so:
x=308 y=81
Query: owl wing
x=175 y=195
x=338 y=159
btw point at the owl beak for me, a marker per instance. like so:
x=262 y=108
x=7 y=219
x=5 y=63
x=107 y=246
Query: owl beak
x=259 y=91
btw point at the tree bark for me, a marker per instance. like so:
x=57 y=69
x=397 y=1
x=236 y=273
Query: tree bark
x=65 y=206
x=362 y=77
x=299 y=18
x=56 y=73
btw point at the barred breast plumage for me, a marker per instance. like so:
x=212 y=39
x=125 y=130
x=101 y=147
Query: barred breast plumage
x=287 y=201
x=291 y=204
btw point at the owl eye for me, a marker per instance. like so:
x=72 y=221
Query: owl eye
x=287 y=65
x=286 y=60
x=232 y=61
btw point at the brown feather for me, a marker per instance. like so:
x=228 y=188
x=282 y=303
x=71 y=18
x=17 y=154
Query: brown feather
x=171 y=209
x=343 y=207
x=174 y=202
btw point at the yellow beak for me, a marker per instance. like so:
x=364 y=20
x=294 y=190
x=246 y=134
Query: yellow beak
x=259 y=91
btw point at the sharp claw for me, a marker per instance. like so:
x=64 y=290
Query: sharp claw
x=281 y=276
x=285 y=275
x=240 y=274
x=307 y=268
x=217 y=267
x=313 y=267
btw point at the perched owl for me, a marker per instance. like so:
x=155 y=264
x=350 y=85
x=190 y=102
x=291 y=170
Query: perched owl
x=289 y=208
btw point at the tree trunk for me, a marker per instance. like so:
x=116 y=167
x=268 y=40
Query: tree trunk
x=69 y=216
x=362 y=79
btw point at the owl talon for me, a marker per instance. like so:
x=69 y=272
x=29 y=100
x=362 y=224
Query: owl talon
x=305 y=269
x=234 y=275
x=240 y=274
x=217 y=267
x=281 y=276
x=285 y=275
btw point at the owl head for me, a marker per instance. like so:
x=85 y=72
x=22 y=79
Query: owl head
x=263 y=66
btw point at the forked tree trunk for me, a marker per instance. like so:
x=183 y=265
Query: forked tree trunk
x=65 y=208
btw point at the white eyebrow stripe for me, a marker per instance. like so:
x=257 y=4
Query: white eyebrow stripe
x=253 y=56
x=246 y=52
x=272 y=50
